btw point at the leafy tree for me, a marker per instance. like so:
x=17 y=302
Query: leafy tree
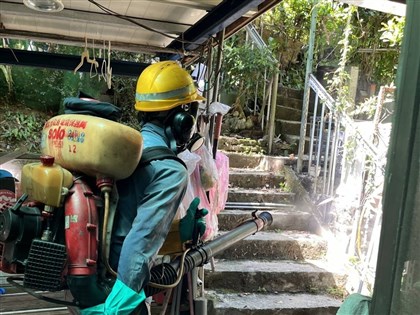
x=246 y=68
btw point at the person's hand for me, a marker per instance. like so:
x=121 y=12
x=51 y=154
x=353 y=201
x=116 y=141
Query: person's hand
x=193 y=224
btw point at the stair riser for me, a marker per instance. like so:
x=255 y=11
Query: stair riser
x=281 y=221
x=243 y=149
x=297 y=103
x=290 y=93
x=291 y=128
x=267 y=163
x=289 y=102
x=279 y=311
x=255 y=180
x=287 y=113
x=272 y=249
x=270 y=282
x=240 y=196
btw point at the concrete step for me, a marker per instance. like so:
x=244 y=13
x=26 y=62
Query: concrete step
x=241 y=145
x=290 y=93
x=285 y=112
x=269 y=195
x=251 y=178
x=271 y=304
x=258 y=161
x=289 y=245
x=269 y=276
x=291 y=127
x=289 y=102
x=285 y=218
x=247 y=146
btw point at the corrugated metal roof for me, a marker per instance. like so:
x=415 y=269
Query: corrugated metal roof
x=130 y=25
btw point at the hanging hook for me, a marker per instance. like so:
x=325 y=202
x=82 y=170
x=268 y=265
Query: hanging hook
x=93 y=62
x=104 y=65
x=109 y=69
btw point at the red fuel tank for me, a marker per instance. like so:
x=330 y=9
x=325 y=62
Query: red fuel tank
x=81 y=230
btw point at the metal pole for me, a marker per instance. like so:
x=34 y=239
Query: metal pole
x=217 y=119
x=221 y=39
x=327 y=153
x=208 y=94
x=311 y=145
x=318 y=153
x=263 y=100
x=333 y=161
x=305 y=104
x=336 y=138
x=272 y=122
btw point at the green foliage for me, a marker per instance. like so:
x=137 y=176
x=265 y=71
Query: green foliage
x=45 y=89
x=378 y=38
x=22 y=128
x=124 y=89
x=7 y=72
x=337 y=292
x=365 y=110
x=284 y=187
x=286 y=29
x=244 y=66
x=392 y=31
x=338 y=85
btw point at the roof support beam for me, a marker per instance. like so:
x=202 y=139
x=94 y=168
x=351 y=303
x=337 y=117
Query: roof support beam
x=81 y=42
x=64 y=62
x=216 y=20
x=386 y=6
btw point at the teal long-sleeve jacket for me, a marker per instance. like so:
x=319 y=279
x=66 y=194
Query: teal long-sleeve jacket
x=147 y=204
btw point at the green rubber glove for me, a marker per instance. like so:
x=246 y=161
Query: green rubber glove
x=122 y=301
x=193 y=224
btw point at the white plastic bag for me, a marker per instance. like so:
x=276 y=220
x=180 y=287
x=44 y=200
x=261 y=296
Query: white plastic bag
x=208 y=170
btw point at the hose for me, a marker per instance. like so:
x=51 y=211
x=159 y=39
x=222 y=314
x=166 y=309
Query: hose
x=105 y=245
x=178 y=279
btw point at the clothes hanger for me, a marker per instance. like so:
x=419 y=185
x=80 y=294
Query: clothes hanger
x=93 y=62
x=83 y=56
x=106 y=70
x=109 y=69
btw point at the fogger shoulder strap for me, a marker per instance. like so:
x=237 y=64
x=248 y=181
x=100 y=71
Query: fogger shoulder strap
x=158 y=153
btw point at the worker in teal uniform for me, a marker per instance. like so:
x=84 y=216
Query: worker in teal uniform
x=167 y=100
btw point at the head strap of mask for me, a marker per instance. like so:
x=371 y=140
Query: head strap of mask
x=179 y=128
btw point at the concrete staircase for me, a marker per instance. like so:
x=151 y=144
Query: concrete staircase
x=282 y=269
x=289 y=115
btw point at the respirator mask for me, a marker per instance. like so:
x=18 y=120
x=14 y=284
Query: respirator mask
x=180 y=128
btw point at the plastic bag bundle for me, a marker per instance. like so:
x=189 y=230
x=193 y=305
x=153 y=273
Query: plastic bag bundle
x=219 y=193
x=208 y=169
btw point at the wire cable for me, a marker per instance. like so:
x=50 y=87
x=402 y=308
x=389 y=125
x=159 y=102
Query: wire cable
x=124 y=17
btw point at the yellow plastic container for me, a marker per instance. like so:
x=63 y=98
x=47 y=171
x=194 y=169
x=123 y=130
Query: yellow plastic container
x=173 y=244
x=44 y=181
x=92 y=145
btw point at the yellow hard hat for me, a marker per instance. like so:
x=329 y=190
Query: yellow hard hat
x=163 y=86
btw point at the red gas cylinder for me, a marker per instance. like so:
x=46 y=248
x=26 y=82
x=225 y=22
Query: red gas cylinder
x=81 y=230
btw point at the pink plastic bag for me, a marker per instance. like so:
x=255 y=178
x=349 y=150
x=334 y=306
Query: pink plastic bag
x=217 y=198
x=219 y=193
